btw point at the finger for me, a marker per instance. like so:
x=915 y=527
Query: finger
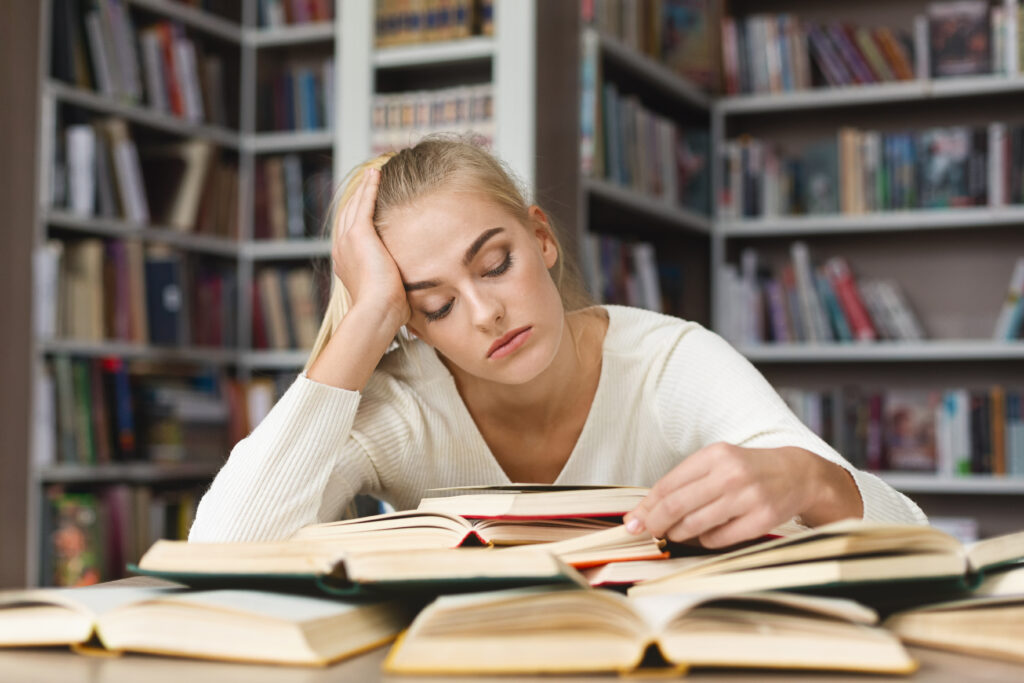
x=713 y=514
x=754 y=524
x=680 y=503
x=693 y=468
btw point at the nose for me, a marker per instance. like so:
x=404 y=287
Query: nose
x=485 y=308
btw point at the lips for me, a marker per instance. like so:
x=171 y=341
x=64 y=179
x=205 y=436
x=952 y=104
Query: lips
x=507 y=341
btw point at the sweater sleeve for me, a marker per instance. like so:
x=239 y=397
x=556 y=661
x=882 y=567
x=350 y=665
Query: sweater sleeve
x=302 y=464
x=707 y=392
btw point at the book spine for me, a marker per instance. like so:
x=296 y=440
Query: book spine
x=845 y=286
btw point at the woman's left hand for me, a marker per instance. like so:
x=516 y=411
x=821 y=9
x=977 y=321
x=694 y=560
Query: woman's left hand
x=725 y=494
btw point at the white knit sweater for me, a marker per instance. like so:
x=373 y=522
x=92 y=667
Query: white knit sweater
x=667 y=388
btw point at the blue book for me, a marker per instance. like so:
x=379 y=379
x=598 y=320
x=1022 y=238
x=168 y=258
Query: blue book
x=164 y=299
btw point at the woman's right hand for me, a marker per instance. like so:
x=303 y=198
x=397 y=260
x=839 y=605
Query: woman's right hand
x=361 y=260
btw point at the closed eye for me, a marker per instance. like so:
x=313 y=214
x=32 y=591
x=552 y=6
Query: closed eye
x=502 y=267
x=431 y=316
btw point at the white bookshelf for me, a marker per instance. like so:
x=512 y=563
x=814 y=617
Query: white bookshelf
x=432 y=54
x=976 y=484
x=302 y=34
x=886 y=351
x=872 y=94
x=193 y=18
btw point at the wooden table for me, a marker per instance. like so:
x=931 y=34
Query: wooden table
x=63 y=666
x=60 y=665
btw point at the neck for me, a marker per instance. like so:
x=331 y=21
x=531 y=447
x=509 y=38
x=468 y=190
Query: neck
x=546 y=398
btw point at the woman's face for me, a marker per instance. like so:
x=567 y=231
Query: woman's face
x=478 y=284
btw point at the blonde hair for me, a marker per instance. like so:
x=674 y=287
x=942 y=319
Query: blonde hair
x=437 y=161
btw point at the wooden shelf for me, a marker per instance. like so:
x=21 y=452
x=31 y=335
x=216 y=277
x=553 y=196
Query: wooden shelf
x=141 y=115
x=469 y=49
x=135 y=472
x=865 y=95
x=130 y=351
x=298 y=34
x=858 y=352
x=684 y=219
x=934 y=483
x=974 y=217
x=117 y=228
x=650 y=70
x=192 y=17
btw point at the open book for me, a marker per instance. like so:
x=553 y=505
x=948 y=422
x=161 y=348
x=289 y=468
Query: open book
x=227 y=624
x=550 y=630
x=844 y=554
x=536 y=501
x=988 y=623
x=295 y=566
x=424 y=529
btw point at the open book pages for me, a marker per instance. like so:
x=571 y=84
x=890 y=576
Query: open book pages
x=1004 y=580
x=204 y=562
x=601 y=547
x=990 y=626
x=543 y=503
x=549 y=630
x=849 y=551
x=238 y=625
x=418 y=529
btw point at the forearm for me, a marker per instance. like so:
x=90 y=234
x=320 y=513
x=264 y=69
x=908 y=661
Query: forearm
x=356 y=347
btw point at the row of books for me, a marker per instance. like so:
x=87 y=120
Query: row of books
x=773 y=53
x=624 y=141
x=90 y=536
x=839 y=597
x=292 y=196
x=96 y=47
x=278 y=13
x=296 y=95
x=288 y=304
x=400 y=119
x=95 y=290
x=676 y=33
x=629 y=273
x=104 y=410
x=801 y=302
x=99 y=171
x=405 y=22
x=861 y=171
x=954 y=432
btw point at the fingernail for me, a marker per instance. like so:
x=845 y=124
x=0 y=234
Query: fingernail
x=634 y=526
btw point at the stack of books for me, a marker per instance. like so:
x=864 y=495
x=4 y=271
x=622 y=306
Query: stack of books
x=524 y=579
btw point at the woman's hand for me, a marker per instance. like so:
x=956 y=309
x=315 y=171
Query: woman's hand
x=725 y=494
x=361 y=260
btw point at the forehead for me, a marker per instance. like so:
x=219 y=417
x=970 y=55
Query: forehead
x=439 y=227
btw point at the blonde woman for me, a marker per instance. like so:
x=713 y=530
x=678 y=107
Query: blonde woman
x=501 y=376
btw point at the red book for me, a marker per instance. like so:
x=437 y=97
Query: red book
x=166 y=32
x=841 y=278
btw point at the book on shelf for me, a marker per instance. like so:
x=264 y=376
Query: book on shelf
x=554 y=630
x=279 y=13
x=232 y=625
x=534 y=501
x=1010 y=321
x=399 y=22
x=628 y=273
x=861 y=172
x=959 y=36
x=400 y=119
x=985 y=623
x=292 y=197
x=887 y=565
x=296 y=95
x=175 y=177
x=288 y=306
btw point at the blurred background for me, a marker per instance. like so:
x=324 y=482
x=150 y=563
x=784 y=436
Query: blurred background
x=836 y=188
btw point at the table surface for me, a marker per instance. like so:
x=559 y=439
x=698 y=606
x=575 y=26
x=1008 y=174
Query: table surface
x=60 y=665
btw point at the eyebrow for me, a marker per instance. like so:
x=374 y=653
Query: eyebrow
x=471 y=252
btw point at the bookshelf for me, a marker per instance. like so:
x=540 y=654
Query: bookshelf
x=954 y=263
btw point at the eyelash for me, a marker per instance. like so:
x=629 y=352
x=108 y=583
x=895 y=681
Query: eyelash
x=501 y=269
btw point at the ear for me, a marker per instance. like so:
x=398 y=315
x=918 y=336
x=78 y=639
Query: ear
x=543 y=233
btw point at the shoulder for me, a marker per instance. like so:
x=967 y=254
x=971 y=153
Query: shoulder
x=636 y=331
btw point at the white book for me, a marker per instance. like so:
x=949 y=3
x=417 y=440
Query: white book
x=123 y=46
x=1008 y=323
x=647 y=275
x=670 y=179
x=881 y=315
x=944 y=414
x=80 y=141
x=46 y=275
x=44 y=418
x=812 y=313
x=961 y=428
x=152 y=57
x=922 y=56
x=904 y=320
x=188 y=78
x=126 y=161
x=1011 y=37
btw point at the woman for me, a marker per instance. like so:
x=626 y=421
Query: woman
x=497 y=379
